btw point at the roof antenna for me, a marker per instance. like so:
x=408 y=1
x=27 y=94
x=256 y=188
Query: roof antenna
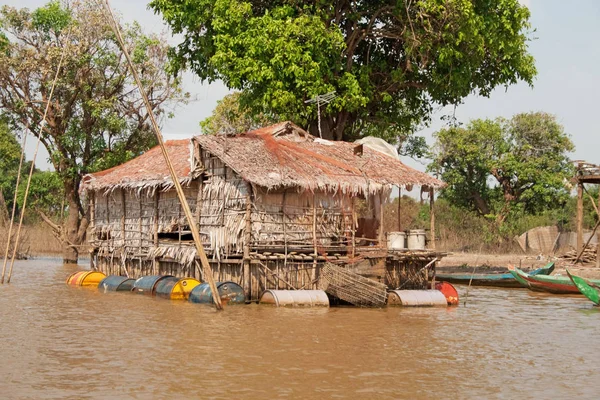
x=321 y=99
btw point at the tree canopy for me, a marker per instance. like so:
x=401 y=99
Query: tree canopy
x=498 y=167
x=229 y=118
x=96 y=117
x=389 y=62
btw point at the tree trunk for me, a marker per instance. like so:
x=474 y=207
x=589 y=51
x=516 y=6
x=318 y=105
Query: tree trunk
x=75 y=226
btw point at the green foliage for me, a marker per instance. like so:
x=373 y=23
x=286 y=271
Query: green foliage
x=389 y=61
x=229 y=117
x=503 y=167
x=10 y=153
x=46 y=193
x=51 y=18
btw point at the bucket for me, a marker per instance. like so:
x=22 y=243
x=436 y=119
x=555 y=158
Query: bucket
x=85 y=278
x=449 y=291
x=295 y=298
x=416 y=239
x=230 y=293
x=396 y=240
x=116 y=283
x=174 y=288
x=147 y=284
x=416 y=298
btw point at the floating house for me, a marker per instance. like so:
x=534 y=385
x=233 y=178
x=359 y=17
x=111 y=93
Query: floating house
x=272 y=206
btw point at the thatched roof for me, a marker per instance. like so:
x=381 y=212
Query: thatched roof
x=284 y=155
x=146 y=171
x=273 y=157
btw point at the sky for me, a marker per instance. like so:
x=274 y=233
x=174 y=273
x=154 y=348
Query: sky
x=566 y=49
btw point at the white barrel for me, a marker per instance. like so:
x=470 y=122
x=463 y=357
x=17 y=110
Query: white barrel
x=417 y=298
x=416 y=239
x=295 y=298
x=396 y=240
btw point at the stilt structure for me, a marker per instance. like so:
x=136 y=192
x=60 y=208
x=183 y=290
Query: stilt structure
x=586 y=174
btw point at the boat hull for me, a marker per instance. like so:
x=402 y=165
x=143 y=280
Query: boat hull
x=506 y=280
x=547 y=283
x=586 y=288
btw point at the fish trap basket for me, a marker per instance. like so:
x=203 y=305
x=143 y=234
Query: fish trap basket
x=351 y=287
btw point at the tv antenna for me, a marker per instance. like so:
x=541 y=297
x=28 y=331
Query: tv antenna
x=321 y=99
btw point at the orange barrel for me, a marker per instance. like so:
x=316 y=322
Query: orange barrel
x=75 y=277
x=449 y=291
x=230 y=293
x=85 y=278
x=416 y=298
x=147 y=284
x=116 y=283
x=295 y=298
x=175 y=288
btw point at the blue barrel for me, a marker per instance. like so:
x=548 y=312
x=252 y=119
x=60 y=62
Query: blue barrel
x=116 y=283
x=230 y=293
x=147 y=284
x=164 y=287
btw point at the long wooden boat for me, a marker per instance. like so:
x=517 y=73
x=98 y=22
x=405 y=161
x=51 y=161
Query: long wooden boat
x=547 y=283
x=586 y=288
x=498 y=280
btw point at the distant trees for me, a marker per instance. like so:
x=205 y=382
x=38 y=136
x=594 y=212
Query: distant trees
x=390 y=62
x=505 y=167
x=96 y=117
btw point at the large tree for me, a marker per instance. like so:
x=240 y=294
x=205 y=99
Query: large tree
x=389 y=61
x=96 y=117
x=498 y=166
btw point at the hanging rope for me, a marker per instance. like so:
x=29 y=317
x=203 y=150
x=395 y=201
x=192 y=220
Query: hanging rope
x=184 y=204
x=37 y=146
x=14 y=208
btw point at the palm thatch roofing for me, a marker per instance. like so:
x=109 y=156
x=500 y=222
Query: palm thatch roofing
x=284 y=155
x=277 y=156
x=146 y=171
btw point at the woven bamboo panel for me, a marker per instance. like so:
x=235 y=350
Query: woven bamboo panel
x=351 y=287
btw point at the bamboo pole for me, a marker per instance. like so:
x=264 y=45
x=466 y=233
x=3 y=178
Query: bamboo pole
x=354 y=224
x=285 y=241
x=579 y=216
x=598 y=244
x=580 y=253
x=186 y=208
x=432 y=216
x=314 y=232
x=31 y=169
x=247 y=240
x=92 y=224
x=123 y=212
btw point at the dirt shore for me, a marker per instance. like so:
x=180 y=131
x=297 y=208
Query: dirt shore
x=485 y=263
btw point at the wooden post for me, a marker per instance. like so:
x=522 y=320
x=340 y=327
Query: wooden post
x=399 y=209
x=579 y=216
x=285 y=243
x=92 y=226
x=354 y=223
x=432 y=215
x=314 y=232
x=124 y=211
x=598 y=244
x=155 y=230
x=140 y=227
x=247 y=240
x=380 y=236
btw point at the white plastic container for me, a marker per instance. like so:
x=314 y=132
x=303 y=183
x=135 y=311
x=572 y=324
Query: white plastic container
x=396 y=240
x=416 y=239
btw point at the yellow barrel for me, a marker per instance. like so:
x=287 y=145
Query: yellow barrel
x=183 y=288
x=85 y=278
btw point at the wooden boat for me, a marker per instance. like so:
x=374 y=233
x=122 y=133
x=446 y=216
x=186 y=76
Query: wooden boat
x=547 y=283
x=498 y=280
x=586 y=288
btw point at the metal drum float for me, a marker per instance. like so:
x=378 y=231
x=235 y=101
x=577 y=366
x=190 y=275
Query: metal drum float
x=175 y=288
x=417 y=298
x=295 y=298
x=116 y=283
x=85 y=278
x=230 y=293
x=147 y=284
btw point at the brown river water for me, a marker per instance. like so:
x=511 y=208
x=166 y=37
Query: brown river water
x=60 y=342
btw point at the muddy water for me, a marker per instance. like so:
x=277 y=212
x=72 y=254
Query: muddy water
x=73 y=343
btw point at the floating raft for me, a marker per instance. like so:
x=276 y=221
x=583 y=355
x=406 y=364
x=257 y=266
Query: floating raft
x=295 y=298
